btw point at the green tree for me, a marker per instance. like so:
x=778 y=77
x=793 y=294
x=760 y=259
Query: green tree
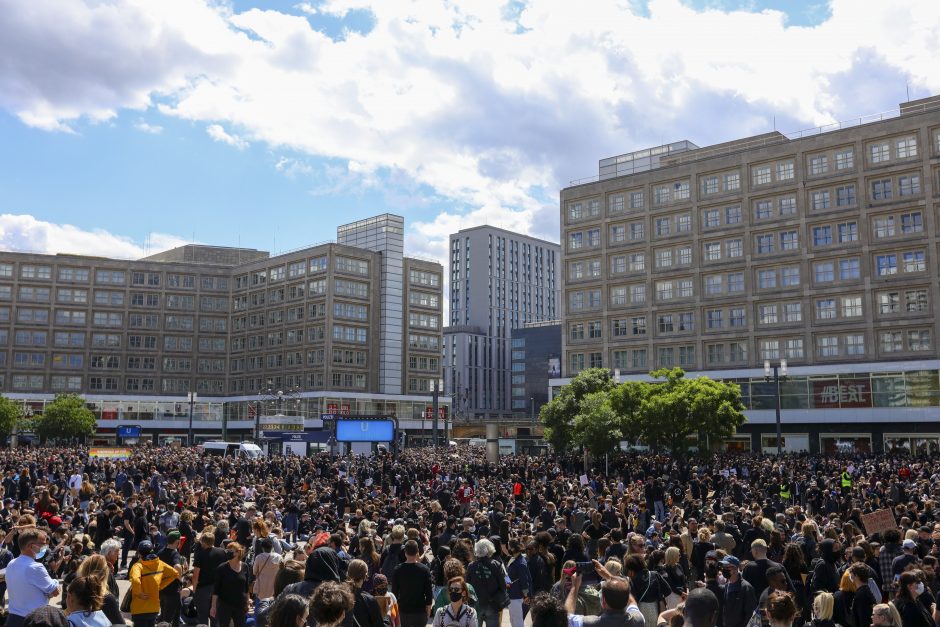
x=596 y=425
x=11 y=413
x=559 y=414
x=678 y=408
x=65 y=418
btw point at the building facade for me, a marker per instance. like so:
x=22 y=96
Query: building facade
x=536 y=359
x=820 y=250
x=499 y=280
x=136 y=337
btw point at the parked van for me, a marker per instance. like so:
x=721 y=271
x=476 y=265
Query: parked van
x=247 y=450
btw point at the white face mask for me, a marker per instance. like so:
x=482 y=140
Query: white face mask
x=920 y=588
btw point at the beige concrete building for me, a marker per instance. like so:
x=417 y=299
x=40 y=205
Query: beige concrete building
x=136 y=337
x=818 y=249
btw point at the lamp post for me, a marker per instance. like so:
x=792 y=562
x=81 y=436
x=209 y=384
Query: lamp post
x=775 y=373
x=192 y=402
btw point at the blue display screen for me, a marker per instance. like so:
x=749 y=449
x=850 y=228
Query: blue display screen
x=365 y=430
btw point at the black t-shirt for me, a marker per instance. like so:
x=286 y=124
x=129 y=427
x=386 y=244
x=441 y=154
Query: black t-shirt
x=243 y=531
x=207 y=561
x=231 y=587
x=171 y=557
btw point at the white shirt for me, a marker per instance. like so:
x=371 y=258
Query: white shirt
x=75 y=481
x=29 y=585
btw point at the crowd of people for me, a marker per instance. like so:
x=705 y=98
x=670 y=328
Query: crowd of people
x=444 y=537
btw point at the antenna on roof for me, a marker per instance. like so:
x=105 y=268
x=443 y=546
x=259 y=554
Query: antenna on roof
x=775 y=123
x=908 y=87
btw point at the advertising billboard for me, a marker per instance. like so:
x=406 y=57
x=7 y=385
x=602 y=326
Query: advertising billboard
x=365 y=430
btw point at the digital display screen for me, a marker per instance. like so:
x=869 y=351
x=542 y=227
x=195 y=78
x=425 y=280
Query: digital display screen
x=365 y=431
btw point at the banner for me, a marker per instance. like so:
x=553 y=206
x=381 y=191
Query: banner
x=109 y=452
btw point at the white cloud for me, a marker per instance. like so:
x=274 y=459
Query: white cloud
x=291 y=168
x=26 y=233
x=144 y=127
x=218 y=133
x=492 y=112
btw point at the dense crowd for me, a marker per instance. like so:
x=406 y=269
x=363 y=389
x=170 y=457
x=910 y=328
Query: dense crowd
x=447 y=538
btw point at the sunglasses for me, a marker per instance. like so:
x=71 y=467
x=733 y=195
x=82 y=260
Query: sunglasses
x=457 y=590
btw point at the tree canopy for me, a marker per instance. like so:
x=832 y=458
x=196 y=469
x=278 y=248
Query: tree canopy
x=65 y=418
x=595 y=412
x=10 y=414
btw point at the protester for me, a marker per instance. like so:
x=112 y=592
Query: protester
x=85 y=599
x=28 y=583
x=148 y=577
x=457 y=613
x=230 y=591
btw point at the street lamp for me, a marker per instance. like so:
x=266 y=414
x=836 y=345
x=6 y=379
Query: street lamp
x=776 y=373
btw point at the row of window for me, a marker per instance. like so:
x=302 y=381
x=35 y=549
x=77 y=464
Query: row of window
x=834 y=160
x=825 y=346
x=115 y=277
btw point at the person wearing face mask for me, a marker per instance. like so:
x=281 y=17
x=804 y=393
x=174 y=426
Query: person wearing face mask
x=912 y=611
x=457 y=613
x=29 y=584
x=740 y=600
x=148 y=576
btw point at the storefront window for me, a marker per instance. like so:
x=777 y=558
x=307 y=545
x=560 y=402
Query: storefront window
x=924 y=388
x=897 y=445
x=889 y=391
x=845 y=444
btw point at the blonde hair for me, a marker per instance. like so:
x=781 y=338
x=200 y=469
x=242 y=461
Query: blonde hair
x=614 y=567
x=822 y=605
x=672 y=556
x=95 y=567
x=889 y=611
x=910 y=534
x=398 y=533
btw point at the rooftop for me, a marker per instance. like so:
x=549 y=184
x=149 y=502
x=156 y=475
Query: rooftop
x=506 y=231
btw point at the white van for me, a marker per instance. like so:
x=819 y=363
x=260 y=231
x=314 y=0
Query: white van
x=232 y=449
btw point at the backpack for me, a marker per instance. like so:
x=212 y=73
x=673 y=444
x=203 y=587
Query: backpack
x=391 y=561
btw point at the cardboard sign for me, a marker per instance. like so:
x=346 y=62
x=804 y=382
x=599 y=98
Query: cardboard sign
x=879 y=521
x=584 y=479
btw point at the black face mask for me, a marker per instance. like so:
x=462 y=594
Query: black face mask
x=726 y=573
x=455 y=596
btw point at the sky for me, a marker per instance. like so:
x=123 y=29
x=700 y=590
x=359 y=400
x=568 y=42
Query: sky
x=131 y=126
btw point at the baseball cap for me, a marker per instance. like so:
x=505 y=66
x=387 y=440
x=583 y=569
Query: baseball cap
x=145 y=547
x=173 y=535
x=731 y=560
x=909 y=544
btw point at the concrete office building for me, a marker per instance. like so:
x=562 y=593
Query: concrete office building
x=349 y=328
x=536 y=359
x=499 y=280
x=820 y=249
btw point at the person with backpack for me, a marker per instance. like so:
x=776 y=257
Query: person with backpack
x=366 y=611
x=411 y=584
x=393 y=555
x=458 y=612
x=488 y=577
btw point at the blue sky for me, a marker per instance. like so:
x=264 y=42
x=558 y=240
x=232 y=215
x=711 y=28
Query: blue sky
x=130 y=126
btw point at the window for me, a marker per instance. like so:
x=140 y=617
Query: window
x=680 y=190
x=845 y=159
x=576 y=270
x=818 y=164
x=618 y=296
x=733 y=215
x=824 y=272
x=711 y=218
x=732 y=181
x=881 y=190
x=577 y=362
x=685 y=255
x=889 y=302
x=667 y=357
x=854 y=344
x=761 y=175
x=665 y=323
x=787 y=206
x=764 y=209
x=618 y=234
x=662 y=226
x=686 y=355
x=574 y=211
x=916 y=301
x=845 y=196
x=576 y=331
x=918 y=340
x=361 y=267
x=575 y=241
x=712 y=251
x=826 y=309
x=878 y=153
x=713 y=285
x=789 y=240
x=636 y=200
x=664 y=290
x=821 y=199
x=891 y=342
x=637 y=231
x=767 y=314
x=594 y=237
x=912 y=222
x=685 y=288
x=785 y=171
x=683 y=223
x=713 y=319
x=766 y=279
x=828 y=346
x=849 y=269
x=735 y=282
x=36 y=272
x=914 y=261
x=618 y=264
x=790 y=276
x=822 y=235
x=770 y=349
x=735 y=248
x=765 y=243
x=737 y=317
x=615 y=203
x=664 y=258
x=794 y=348
x=848 y=232
x=886 y=265
x=906 y=147
x=637 y=293
x=737 y=352
x=851 y=306
x=792 y=312
x=710 y=185
x=639 y=358
x=909 y=185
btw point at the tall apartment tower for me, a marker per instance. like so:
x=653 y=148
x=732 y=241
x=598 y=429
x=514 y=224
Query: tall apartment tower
x=499 y=280
x=384 y=234
x=818 y=249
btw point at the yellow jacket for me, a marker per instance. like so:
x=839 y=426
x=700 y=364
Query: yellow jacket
x=149 y=577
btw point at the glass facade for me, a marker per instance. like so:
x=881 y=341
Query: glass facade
x=845 y=391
